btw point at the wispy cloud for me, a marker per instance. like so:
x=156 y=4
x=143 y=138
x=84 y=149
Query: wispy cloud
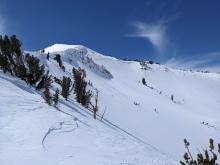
x=155 y=33
x=208 y=61
x=155 y=28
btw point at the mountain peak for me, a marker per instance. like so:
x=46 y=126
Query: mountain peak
x=62 y=47
x=56 y=48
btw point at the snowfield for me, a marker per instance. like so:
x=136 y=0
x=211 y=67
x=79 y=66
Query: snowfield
x=141 y=124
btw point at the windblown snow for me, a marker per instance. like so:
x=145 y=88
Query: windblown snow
x=140 y=124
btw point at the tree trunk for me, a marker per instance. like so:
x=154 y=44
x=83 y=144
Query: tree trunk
x=94 y=114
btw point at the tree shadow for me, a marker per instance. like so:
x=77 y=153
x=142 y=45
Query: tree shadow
x=72 y=106
x=19 y=84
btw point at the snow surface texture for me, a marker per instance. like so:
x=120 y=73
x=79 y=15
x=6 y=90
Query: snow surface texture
x=141 y=124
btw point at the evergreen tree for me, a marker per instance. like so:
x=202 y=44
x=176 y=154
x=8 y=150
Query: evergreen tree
x=48 y=56
x=171 y=97
x=86 y=97
x=143 y=81
x=20 y=69
x=78 y=83
x=16 y=49
x=47 y=96
x=45 y=81
x=58 y=59
x=21 y=72
x=6 y=50
x=4 y=64
x=35 y=70
x=66 y=84
x=56 y=97
x=11 y=56
x=82 y=95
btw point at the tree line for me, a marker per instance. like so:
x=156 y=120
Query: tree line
x=29 y=69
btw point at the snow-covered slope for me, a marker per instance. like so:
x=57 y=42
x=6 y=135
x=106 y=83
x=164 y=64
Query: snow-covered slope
x=34 y=133
x=141 y=124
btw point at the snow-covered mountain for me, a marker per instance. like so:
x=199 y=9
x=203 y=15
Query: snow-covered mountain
x=141 y=124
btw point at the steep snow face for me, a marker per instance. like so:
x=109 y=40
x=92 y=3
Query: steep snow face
x=78 y=55
x=34 y=133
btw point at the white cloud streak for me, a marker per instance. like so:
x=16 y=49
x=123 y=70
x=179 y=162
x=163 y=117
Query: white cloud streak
x=206 y=61
x=155 y=33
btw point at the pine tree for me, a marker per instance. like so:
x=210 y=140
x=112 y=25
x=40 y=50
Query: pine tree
x=56 y=97
x=66 y=84
x=16 y=49
x=46 y=84
x=143 y=81
x=4 y=64
x=82 y=95
x=86 y=97
x=45 y=81
x=35 y=70
x=171 y=97
x=78 y=83
x=21 y=72
x=58 y=59
x=47 y=96
x=48 y=56
x=11 y=56
x=6 y=50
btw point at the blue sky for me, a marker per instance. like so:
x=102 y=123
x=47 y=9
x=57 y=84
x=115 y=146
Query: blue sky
x=180 y=33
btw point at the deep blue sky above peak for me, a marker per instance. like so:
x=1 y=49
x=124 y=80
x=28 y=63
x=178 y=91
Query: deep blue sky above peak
x=180 y=33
